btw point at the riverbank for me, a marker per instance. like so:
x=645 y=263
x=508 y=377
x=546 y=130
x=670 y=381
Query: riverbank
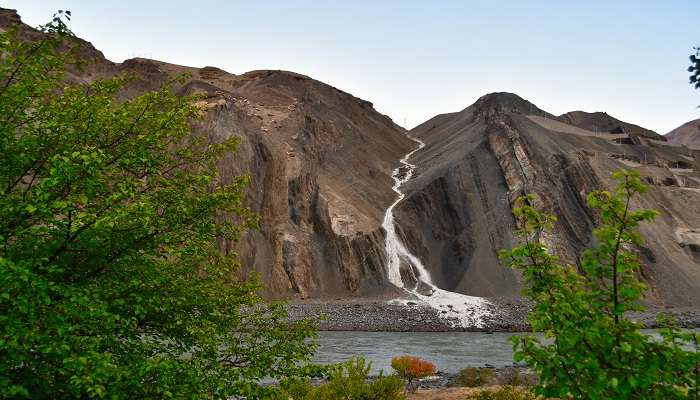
x=444 y=394
x=464 y=393
x=503 y=315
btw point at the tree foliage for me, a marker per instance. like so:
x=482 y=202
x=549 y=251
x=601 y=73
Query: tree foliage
x=110 y=282
x=591 y=350
x=412 y=368
x=347 y=381
x=694 y=68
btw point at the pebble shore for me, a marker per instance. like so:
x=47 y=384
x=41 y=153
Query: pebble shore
x=382 y=316
x=504 y=315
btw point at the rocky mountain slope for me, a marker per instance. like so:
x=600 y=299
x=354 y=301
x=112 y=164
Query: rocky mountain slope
x=476 y=162
x=687 y=134
x=320 y=162
x=320 y=203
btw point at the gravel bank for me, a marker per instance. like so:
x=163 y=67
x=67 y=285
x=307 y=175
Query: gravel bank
x=506 y=315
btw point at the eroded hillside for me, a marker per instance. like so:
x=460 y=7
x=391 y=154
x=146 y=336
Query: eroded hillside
x=320 y=162
x=478 y=161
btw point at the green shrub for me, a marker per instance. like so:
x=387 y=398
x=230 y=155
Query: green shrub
x=295 y=389
x=515 y=376
x=474 y=377
x=347 y=381
x=504 y=393
x=386 y=388
x=591 y=350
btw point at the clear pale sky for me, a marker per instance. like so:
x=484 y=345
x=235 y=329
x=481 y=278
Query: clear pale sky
x=416 y=59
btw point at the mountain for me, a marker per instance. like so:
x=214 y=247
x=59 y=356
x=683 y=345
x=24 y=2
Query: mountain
x=476 y=162
x=321 y=161
x=687 y=134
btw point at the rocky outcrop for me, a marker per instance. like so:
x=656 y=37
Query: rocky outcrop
x=320 y=162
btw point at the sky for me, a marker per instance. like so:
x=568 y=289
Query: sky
x=417 y=59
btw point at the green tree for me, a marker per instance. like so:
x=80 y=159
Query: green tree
x=694 y=68
x=591 y=350
x=110 y=282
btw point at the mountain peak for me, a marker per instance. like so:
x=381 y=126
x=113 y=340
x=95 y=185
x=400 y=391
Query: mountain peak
x=505 y=102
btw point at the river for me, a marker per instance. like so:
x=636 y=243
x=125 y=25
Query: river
x=449 y=351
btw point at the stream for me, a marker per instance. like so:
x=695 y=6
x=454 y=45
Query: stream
x=468 y=310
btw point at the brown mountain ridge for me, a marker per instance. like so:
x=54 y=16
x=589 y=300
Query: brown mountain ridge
x=476 y=162
x=320 y=162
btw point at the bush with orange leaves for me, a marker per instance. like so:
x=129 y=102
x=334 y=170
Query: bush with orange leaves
x=412 y=368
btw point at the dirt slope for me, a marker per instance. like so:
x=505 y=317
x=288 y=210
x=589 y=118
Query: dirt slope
x=601 y=122
x=687 y=134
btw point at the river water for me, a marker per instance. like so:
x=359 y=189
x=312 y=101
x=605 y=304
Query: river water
x=449 y=351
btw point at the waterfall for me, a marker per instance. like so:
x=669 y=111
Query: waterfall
x=395 y=250
x=457 y=308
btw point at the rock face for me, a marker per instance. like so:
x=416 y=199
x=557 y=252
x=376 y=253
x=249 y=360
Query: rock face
x=687 y=134
x=320 y=163
x=476 y=162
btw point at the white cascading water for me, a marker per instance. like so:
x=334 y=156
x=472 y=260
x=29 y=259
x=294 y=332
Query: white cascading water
x=466 y=310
